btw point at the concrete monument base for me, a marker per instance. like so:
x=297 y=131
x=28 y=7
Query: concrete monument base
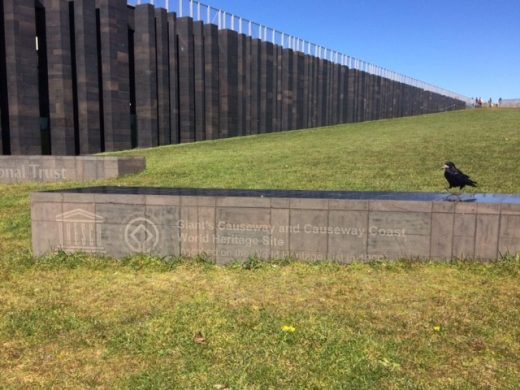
x=231 y=225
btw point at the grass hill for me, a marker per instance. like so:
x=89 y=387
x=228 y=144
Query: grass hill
x=388 y=155
x=74 y=321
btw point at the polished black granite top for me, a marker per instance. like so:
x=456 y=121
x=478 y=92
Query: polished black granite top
x=353 y=195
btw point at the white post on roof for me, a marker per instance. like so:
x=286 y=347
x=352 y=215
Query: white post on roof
x=191 y=8
x=208 y=15
x=180 y=8
x=232 y=22
x=198 y=10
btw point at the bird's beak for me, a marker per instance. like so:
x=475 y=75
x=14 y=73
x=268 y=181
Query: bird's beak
x=445 y=166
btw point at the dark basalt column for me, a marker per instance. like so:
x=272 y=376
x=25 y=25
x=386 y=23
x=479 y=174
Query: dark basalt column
x=287 y=88
x=115 y=73
x=4 y=128
x=279 y=88
x=351 y=90
x=186 y=79
x=241 y=87
x=146 y=76
x=87 y=77
x=255 y=86
x=275 y=124
x=313 y=99
x=22 y=76
x=59 y=65
x=173 y=51
x=211 y=81
x=198 y=47
x=248 y=92
x=342 y=94
x=163 y=76
x=266 y=87
x=299 y=85
x=228 y=79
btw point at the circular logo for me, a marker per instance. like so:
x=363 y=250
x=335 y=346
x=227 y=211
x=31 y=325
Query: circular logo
x=141 y=235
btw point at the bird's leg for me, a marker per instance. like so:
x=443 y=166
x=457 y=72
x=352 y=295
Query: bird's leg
x=459 y=194
x=451 y=194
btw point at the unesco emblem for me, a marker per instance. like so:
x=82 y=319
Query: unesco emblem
x=141 y=235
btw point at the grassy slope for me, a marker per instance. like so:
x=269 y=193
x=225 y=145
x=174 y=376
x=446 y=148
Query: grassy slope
x=392 y=155
x=70 y=321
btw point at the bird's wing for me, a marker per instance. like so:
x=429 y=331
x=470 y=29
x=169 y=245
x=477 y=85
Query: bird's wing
x=463 y=178
x=458 y=173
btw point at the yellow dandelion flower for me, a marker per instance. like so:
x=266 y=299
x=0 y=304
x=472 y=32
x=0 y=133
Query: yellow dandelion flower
x=437 y=328
x=288 y=329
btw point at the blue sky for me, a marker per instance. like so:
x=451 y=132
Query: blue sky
x=469 y=47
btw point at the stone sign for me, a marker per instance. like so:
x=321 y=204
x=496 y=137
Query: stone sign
x=20 y=169
x=231 y=225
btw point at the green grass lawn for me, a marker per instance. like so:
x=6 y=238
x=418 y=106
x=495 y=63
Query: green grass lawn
x=389 y=155
x=73 y=321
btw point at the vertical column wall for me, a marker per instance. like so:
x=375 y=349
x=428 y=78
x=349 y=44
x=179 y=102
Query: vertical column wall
x=192 y=81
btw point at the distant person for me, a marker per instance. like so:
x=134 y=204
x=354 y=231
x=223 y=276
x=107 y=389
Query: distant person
x=490 y=101
x=499 y=102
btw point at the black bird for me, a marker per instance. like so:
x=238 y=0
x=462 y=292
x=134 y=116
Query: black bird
x=455 y=177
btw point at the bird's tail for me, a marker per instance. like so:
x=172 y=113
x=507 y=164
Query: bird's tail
x=471 y=183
